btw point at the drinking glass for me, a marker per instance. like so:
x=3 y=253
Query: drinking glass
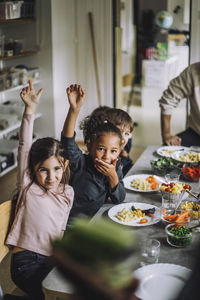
x=170 y=201
x=150 y=251
x=173 y=176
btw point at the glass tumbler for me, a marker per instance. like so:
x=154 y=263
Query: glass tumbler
x=150 y=251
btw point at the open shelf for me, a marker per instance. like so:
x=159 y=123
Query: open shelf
x=27 y=53
x=17 y=125
x=21 y=20
x=19 y=87
x=8 y=170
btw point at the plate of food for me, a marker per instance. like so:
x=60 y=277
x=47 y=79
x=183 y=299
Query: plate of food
x=135 y=214
x=167 y=151
x=191 y=157
x=166 y=279
x=142 y=183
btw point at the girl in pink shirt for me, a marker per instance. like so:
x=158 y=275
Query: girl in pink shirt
x=43 y=205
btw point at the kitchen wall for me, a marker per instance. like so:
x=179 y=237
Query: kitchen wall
x=72 y=56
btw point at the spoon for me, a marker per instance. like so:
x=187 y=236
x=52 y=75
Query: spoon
x=193 y=195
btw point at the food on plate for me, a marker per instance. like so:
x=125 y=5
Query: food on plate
x=127 y=215
x=191 y=173
x=174 y=187
x=149 y=212
x=182 y=217
x=145 y=184
x=190 y=157
x=178 y=235
x=168 y=152
x=164 y=165
x=133 y=213
x=194 y=207
x=154 y=184
x=144 y=220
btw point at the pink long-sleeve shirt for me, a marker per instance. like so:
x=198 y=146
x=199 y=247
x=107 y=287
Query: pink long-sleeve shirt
x=41 y=216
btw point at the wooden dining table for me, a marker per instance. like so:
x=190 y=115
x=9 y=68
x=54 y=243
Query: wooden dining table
x=168 y=254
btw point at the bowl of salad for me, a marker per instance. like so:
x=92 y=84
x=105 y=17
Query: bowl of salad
x=178 y=235
x=164 y=165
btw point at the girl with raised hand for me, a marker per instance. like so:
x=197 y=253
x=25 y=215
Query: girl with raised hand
x=43 y=204
x=96 y=176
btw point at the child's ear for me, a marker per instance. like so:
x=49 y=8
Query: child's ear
x=66 y=164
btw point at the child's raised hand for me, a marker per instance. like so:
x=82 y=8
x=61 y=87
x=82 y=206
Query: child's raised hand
x=76 y=96
x=30 y=98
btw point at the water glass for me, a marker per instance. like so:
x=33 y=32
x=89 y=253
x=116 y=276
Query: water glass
x=150 y=251
x=173 y=176
x=170 y=201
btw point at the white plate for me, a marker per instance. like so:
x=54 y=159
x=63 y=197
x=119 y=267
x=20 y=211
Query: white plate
x=176 y=155
x=117 y=208
x=161 y=150
x=161 y=281
x=127 y=182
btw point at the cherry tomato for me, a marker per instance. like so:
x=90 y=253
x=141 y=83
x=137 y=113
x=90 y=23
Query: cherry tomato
x=172 y=184
x=168 y=190
x=187 y=187
x=164 y=184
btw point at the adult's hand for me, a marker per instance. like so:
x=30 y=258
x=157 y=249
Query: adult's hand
x=172 y=140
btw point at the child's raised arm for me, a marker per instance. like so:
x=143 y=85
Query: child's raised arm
x=30 y=98
x=76 y=96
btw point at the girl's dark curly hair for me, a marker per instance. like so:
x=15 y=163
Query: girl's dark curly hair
x=43 y=149
x=95 y=125
x=116 y=116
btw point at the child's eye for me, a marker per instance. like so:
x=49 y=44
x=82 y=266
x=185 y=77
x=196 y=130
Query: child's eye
x=58 y=168
x=127 y=133
x=42 y=170
x=114 y=151
x=100 y=149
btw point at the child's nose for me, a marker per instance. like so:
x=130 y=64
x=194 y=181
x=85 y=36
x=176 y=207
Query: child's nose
x=50 y=175
x=105 y=154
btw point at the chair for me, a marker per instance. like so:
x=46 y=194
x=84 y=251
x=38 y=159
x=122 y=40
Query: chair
x=5 y=211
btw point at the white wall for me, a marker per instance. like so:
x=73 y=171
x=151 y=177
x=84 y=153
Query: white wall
x=181 y=18
x=128 y=37
x=72 y=57
x=195 y=32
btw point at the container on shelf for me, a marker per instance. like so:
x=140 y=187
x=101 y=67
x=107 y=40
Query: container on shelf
x=18 y=46
x=27 y=9
x=33 y=74
x=10 y=10
x=12 y=107
x=7 y=120
x=13 y=78
x=3 y=77
x=7 y=147
x=2 y=45
x=6 y=161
